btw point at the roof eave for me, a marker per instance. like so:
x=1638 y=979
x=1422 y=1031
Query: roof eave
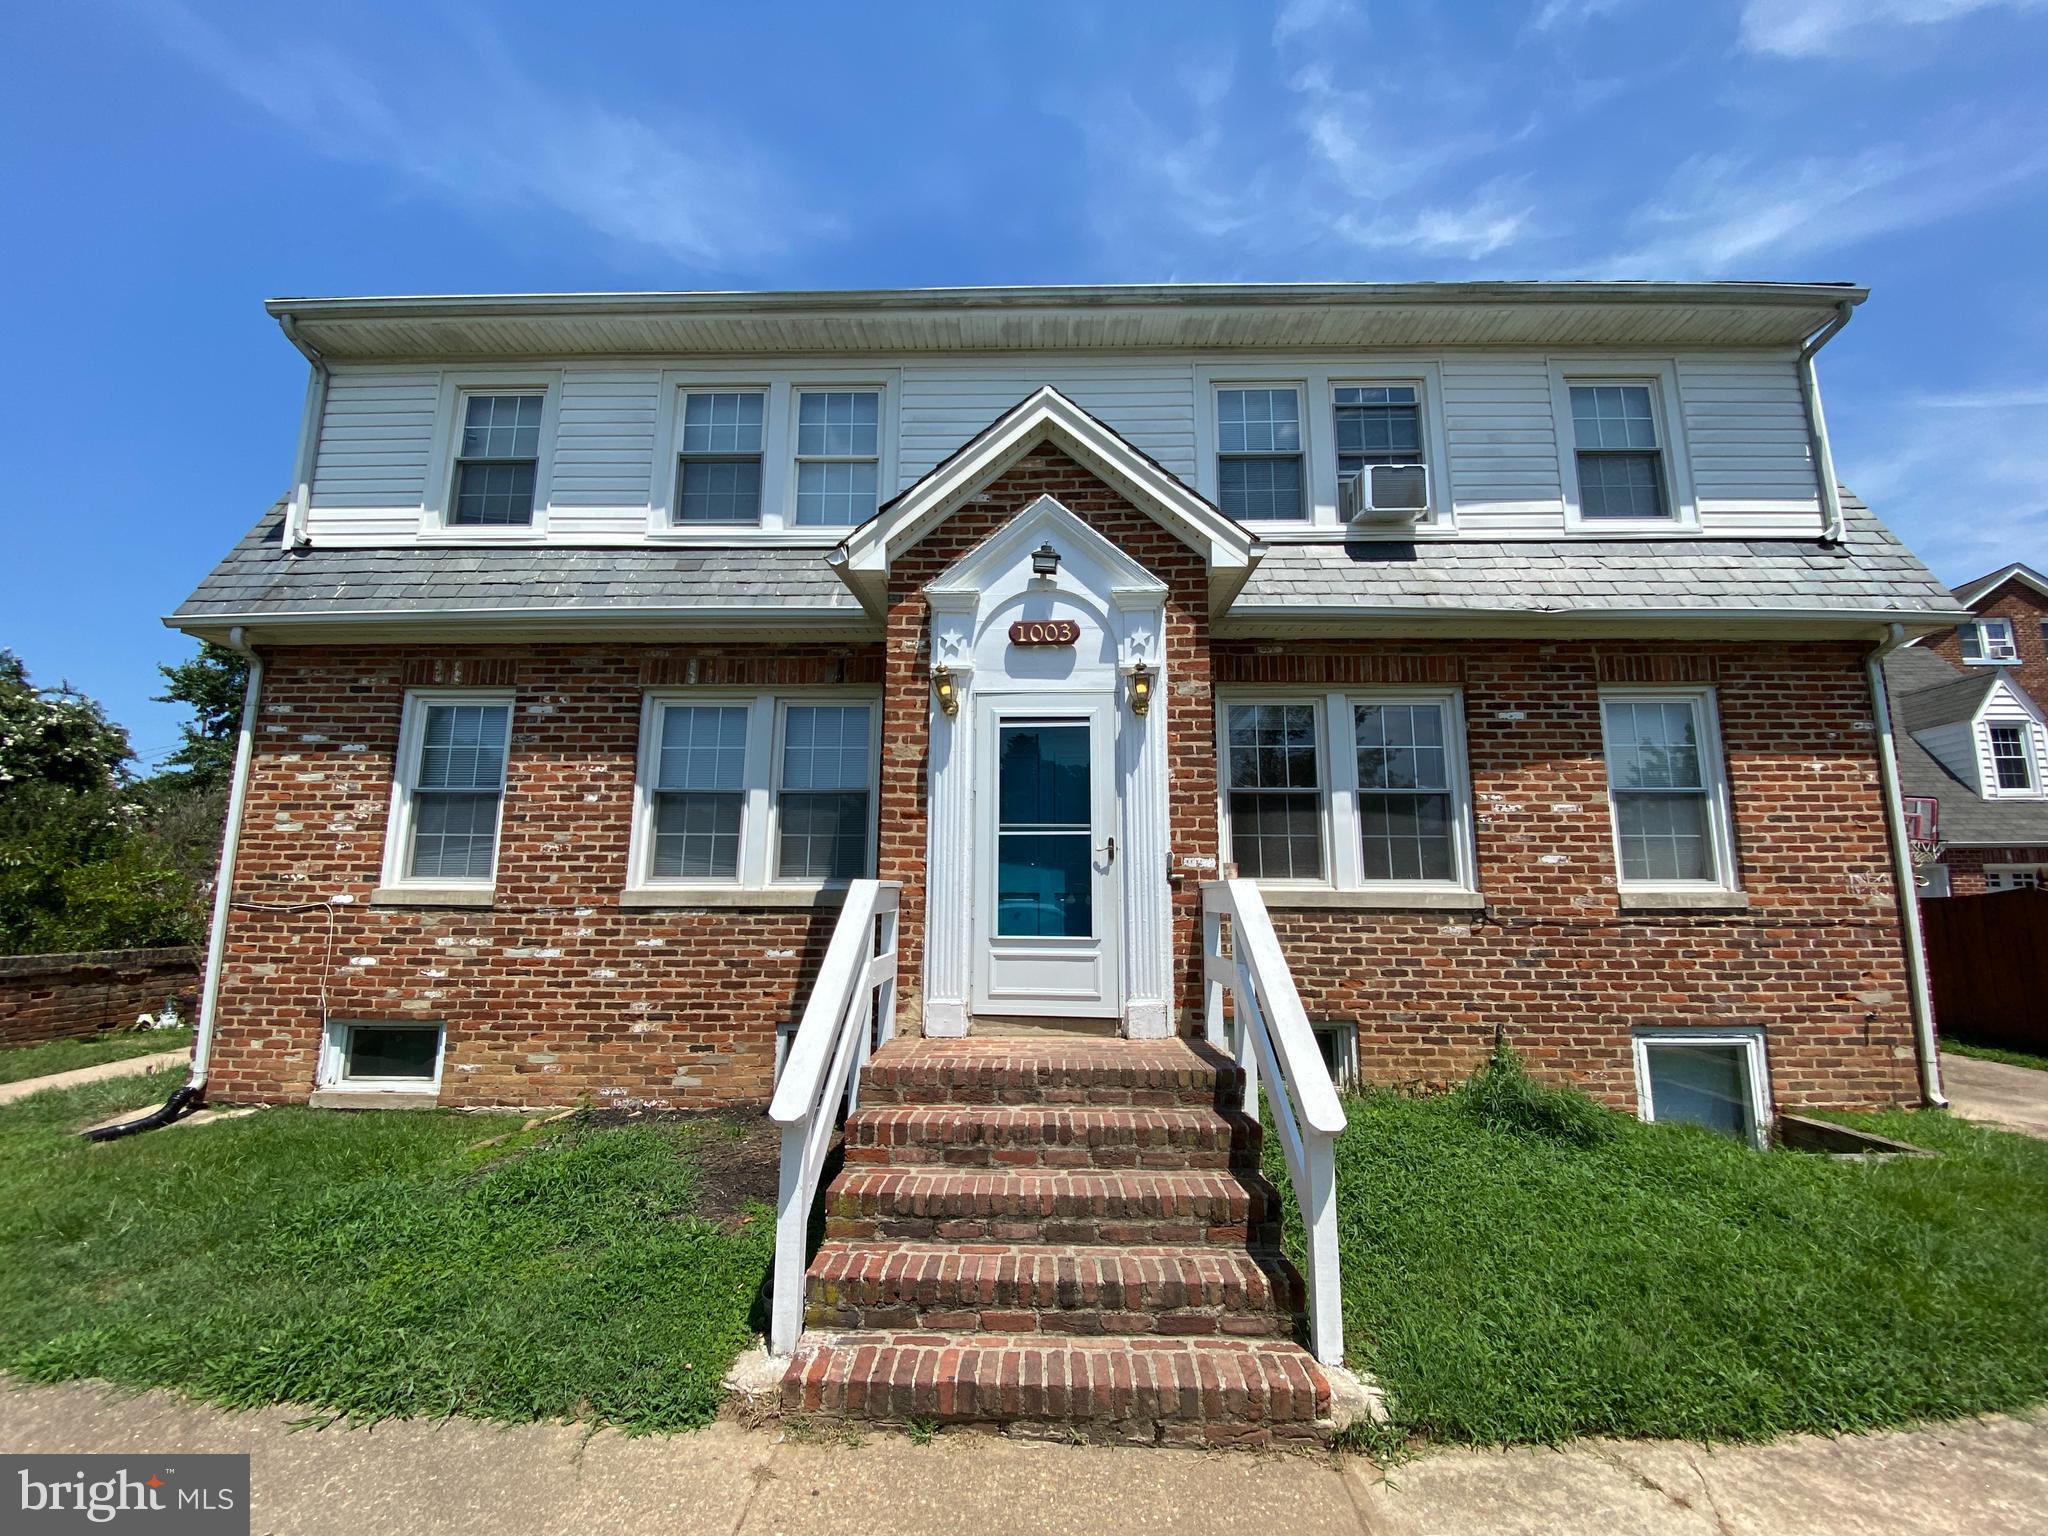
x=1277 y=619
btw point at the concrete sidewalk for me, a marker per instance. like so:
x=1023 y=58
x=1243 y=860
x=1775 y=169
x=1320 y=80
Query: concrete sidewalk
x=132 y=1066
x=1987 y=1477
x=2013 y=1098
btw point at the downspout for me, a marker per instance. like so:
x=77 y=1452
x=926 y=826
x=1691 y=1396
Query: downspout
x=1918 y=997
x=1817 y=425
x=193 y=1092
x=309 y=437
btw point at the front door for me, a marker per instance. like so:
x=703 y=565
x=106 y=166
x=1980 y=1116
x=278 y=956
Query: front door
x=1046 y=916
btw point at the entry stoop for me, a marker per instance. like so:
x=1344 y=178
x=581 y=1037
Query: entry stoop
x=1046 y=1235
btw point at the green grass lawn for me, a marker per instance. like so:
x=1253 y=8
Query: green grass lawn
x=1524 y=1266
x=375 y=1264
x=1996 y=1053
x=21 y=1062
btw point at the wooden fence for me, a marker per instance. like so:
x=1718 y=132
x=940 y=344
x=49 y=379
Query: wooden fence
x=1987 y=960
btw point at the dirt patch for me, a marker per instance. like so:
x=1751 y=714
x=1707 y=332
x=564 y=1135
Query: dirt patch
x=738 y=1152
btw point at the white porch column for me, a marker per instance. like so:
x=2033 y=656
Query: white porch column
x=1142 y=837
x=949 y=803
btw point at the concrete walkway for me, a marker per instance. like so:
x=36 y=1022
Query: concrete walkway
x=133 y=1066
x=1987 y=1477
x=2013 y=1097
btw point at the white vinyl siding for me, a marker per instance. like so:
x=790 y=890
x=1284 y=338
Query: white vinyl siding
x=1151 y=403
x=1748 y=445
x=604 y=453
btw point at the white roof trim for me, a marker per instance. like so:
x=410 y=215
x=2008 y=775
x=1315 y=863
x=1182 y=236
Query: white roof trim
x=1046 y=413
x=1972 y=593
x=2003 y=687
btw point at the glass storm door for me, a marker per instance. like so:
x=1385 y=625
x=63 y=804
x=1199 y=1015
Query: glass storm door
x=1046 y=915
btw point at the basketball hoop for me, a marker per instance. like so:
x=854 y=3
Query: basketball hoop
x=1926 y=850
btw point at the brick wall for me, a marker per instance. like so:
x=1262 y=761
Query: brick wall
x=63 y=997
x=1186 y=699
x=1553 y=965
x=1966 y=865
x=555 y=993
x=2025 y=609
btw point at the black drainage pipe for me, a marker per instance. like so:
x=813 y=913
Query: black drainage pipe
x=179 y=1104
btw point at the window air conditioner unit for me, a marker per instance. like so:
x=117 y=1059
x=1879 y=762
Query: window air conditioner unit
x=1384 y=495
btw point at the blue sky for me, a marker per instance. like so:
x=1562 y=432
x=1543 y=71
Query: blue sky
x=164 y=167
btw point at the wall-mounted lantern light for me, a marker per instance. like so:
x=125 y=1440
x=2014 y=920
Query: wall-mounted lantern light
x=948 y=693
x=1045 y=561
x=1141 y=688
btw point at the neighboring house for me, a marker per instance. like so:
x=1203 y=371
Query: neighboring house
x=1504 y=634
x=1973 y=752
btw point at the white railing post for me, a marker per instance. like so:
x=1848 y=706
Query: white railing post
x=1271 y=1039
x=852 y=1005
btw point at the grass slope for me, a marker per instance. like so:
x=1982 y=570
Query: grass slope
x=1522 y=1265
x=373 y=1265
x=20 y=1063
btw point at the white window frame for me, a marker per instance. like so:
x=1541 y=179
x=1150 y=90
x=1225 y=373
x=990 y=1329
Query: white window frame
x=760 y=810
x=1337 y=788
x=779 y=388
x=457 y=385
x=333 y=1066
x=2003 y=877
x=405 y=773
x=2030 y=742
x=1714 y=784
x=2011 y=658
x=1749 y=1037
x=1317 y=386
x=798 y=458
x=1660 y=377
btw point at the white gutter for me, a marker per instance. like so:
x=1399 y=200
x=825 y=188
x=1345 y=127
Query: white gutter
x=224 y=877
x=1817 y=425
x=1918 y=998
x=309 y=437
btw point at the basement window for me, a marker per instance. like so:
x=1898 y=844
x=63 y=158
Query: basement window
x=1710 y=1078
x=379 y=1056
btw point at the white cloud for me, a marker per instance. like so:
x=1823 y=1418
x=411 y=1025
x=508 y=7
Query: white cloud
x=1552 y=15
x=1811 y=28
x=1720 y=214
x=477 y=129
x=1300 y=16
x=1498 y=216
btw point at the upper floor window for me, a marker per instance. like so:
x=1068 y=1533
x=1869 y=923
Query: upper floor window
x=838 y=455
x=2012 y=758
x=1988 y=640
x=718 y=474
x=755 y=792
x=497 y=460
x=449 y=790
x=1259 y=467
x=1377 y=424
x=1619 y=453
x=1669 y=804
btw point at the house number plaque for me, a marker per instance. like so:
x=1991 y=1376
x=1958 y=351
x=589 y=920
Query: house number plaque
x=1045 y=632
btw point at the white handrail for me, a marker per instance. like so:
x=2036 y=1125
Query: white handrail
x=1268 y=1034
x=852 y=1012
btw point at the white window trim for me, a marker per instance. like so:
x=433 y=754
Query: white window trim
x=1714 y=776
x=2001 y=873
x=760 y=831
x=405 y=772
x=1749 y=1037
x=1661 y=376
x=1337 y=781
x=2012 y=641
x=456 y=388
x=2031 y=733
x=779 y=388
x=1317 y=387
x=333 y=1068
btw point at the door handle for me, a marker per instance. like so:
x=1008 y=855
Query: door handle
x=1110 y=851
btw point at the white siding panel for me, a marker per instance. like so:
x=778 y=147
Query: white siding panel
x=370 y=472
x=943 y=405
x=1745 y=426
x=604 y=446
x=1503 y=445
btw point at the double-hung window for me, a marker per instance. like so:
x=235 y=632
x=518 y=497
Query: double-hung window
x=1362 y=791
x=718 y=469
x=2012 y=758
x=756 y=792
x=1259 y=461
x=1381 y=425
x=1987 y=641
x=838 y=456
x=1668 y=799
x=450 y=791
x=497 y=460
x=1620 y=456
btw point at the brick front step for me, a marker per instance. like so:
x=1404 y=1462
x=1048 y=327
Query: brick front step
x=1055 y=1136
x=1181 y=1391
x=1005 y=1289
x=1052 y=1206
x=1028 y=1070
